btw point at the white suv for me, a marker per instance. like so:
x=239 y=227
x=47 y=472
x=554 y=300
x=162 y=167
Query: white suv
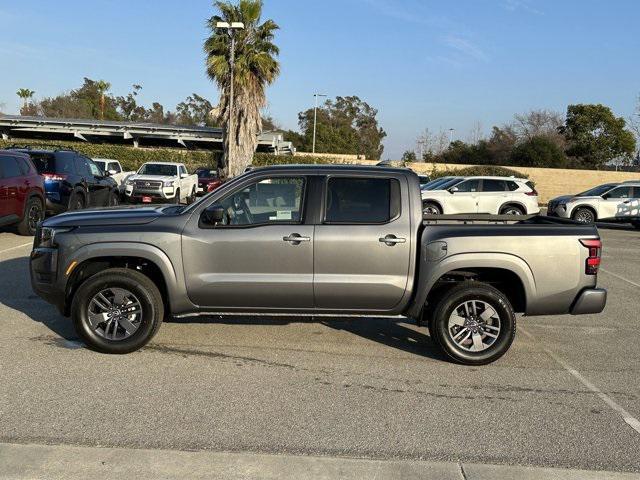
x=611 y=201
x=493 y=195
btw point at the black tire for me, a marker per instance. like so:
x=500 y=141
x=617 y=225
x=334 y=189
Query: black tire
x=431 y=208
x=76 y=202
x=33 y=213
x=584 y=215
x=176 y=200
x=456 y=296
x=511 y=210
x=636 y=224
x=114 y=199
x=192 y=198
x=152 y=309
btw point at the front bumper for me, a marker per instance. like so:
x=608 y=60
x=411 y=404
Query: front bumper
x=557 y=211
x=43 y=266
x=590 y=300
x=158 y=196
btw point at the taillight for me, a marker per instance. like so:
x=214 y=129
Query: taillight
x=532 y=193
x=593 y=260
x=53 y=177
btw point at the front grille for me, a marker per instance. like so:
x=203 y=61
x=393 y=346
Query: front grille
x=147 y=184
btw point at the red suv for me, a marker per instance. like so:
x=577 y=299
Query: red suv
x=21 y=192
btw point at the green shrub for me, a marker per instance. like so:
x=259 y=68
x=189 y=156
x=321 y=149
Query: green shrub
x=480 y=170
x=131 y=158
x=264 y=159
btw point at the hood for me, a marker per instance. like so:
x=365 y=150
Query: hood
x=130 y=215
x=152 y=178
x=562 y=199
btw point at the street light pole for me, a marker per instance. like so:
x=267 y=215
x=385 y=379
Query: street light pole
x=451 y=130
x=315 y=119
x=231 y=29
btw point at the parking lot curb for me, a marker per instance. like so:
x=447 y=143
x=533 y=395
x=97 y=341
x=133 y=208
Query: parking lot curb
x=18 y=462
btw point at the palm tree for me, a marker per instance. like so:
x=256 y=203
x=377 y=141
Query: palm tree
x=255 y=67
x=25 y=94
x=102 y=87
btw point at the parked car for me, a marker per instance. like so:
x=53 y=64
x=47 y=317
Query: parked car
x=72 y=181
x=161 y=182
x=492 y=195
x=613 y=202
x=423 y=179
x=208 y=180
x=21 y=192
x=115 y=171
x=313 y=240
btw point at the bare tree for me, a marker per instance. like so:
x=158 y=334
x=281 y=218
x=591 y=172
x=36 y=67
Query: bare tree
x=477 y=133
x=430 y=144
x=537 y=123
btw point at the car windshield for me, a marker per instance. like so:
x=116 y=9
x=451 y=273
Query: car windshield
x=158 y=169
x=449 y=183
x=206 y=173
x=435 y=183
x=597 y=191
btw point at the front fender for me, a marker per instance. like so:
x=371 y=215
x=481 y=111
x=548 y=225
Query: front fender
x=431 y=272
x=130 y=249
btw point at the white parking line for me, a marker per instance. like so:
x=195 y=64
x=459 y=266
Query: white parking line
x=16 y=247
x=626 y=416
x=620 y=277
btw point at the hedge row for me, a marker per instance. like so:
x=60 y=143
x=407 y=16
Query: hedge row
x=263 y=159
x=130 y=158
x=480 y=170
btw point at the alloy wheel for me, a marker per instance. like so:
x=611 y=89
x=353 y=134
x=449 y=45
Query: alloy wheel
x=34 y=216
x=114 y=313
x=474 y=325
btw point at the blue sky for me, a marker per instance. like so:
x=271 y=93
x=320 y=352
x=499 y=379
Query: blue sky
x=421 y=63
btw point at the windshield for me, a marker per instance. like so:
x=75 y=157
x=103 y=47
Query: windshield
x=435 y=183
x=158 y=169
x=597 y=191
x=449 y=183
x=206 y=173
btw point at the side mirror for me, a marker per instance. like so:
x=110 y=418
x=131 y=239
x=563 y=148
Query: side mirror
x=213 y=214
x=111 y=172
x=184 y=175
x=454 y=189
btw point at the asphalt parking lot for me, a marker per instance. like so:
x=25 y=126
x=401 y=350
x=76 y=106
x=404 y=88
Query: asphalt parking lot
x=565 y=395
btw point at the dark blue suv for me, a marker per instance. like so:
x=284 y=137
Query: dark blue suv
x=72 y=181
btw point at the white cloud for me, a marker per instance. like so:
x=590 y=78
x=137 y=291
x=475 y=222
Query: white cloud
x=525 y=5
x=465 y=47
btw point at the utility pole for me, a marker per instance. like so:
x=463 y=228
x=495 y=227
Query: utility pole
x=451 y=130
x=231 y=29
x=315 y=119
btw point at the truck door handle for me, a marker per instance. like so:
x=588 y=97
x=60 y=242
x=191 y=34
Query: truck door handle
x=296 y=238
x=391 y=240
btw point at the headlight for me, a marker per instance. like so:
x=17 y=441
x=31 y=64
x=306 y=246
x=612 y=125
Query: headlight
x=168 y=183
x=48 y=235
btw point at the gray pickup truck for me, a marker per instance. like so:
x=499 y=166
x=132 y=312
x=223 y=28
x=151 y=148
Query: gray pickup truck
x=313 y=240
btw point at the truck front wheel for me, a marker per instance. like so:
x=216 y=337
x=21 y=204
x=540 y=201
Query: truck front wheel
x=474 y=323
x=117 y=311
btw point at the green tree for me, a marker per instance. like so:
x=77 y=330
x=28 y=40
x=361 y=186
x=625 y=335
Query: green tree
x=538 y=151
x=88 y=101
x=195 y=110
x=595 y=135
x=346 y=125
x=128 y=106
x=255 y=67
x=25 y=94
x=409 y=156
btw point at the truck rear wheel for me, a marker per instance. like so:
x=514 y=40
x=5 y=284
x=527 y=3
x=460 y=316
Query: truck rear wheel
x=117 y=311
x=474 y=323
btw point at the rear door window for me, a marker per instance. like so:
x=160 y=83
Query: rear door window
x=620 y=192
x=114 y=166
x=492 y=185
x=362 y=200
